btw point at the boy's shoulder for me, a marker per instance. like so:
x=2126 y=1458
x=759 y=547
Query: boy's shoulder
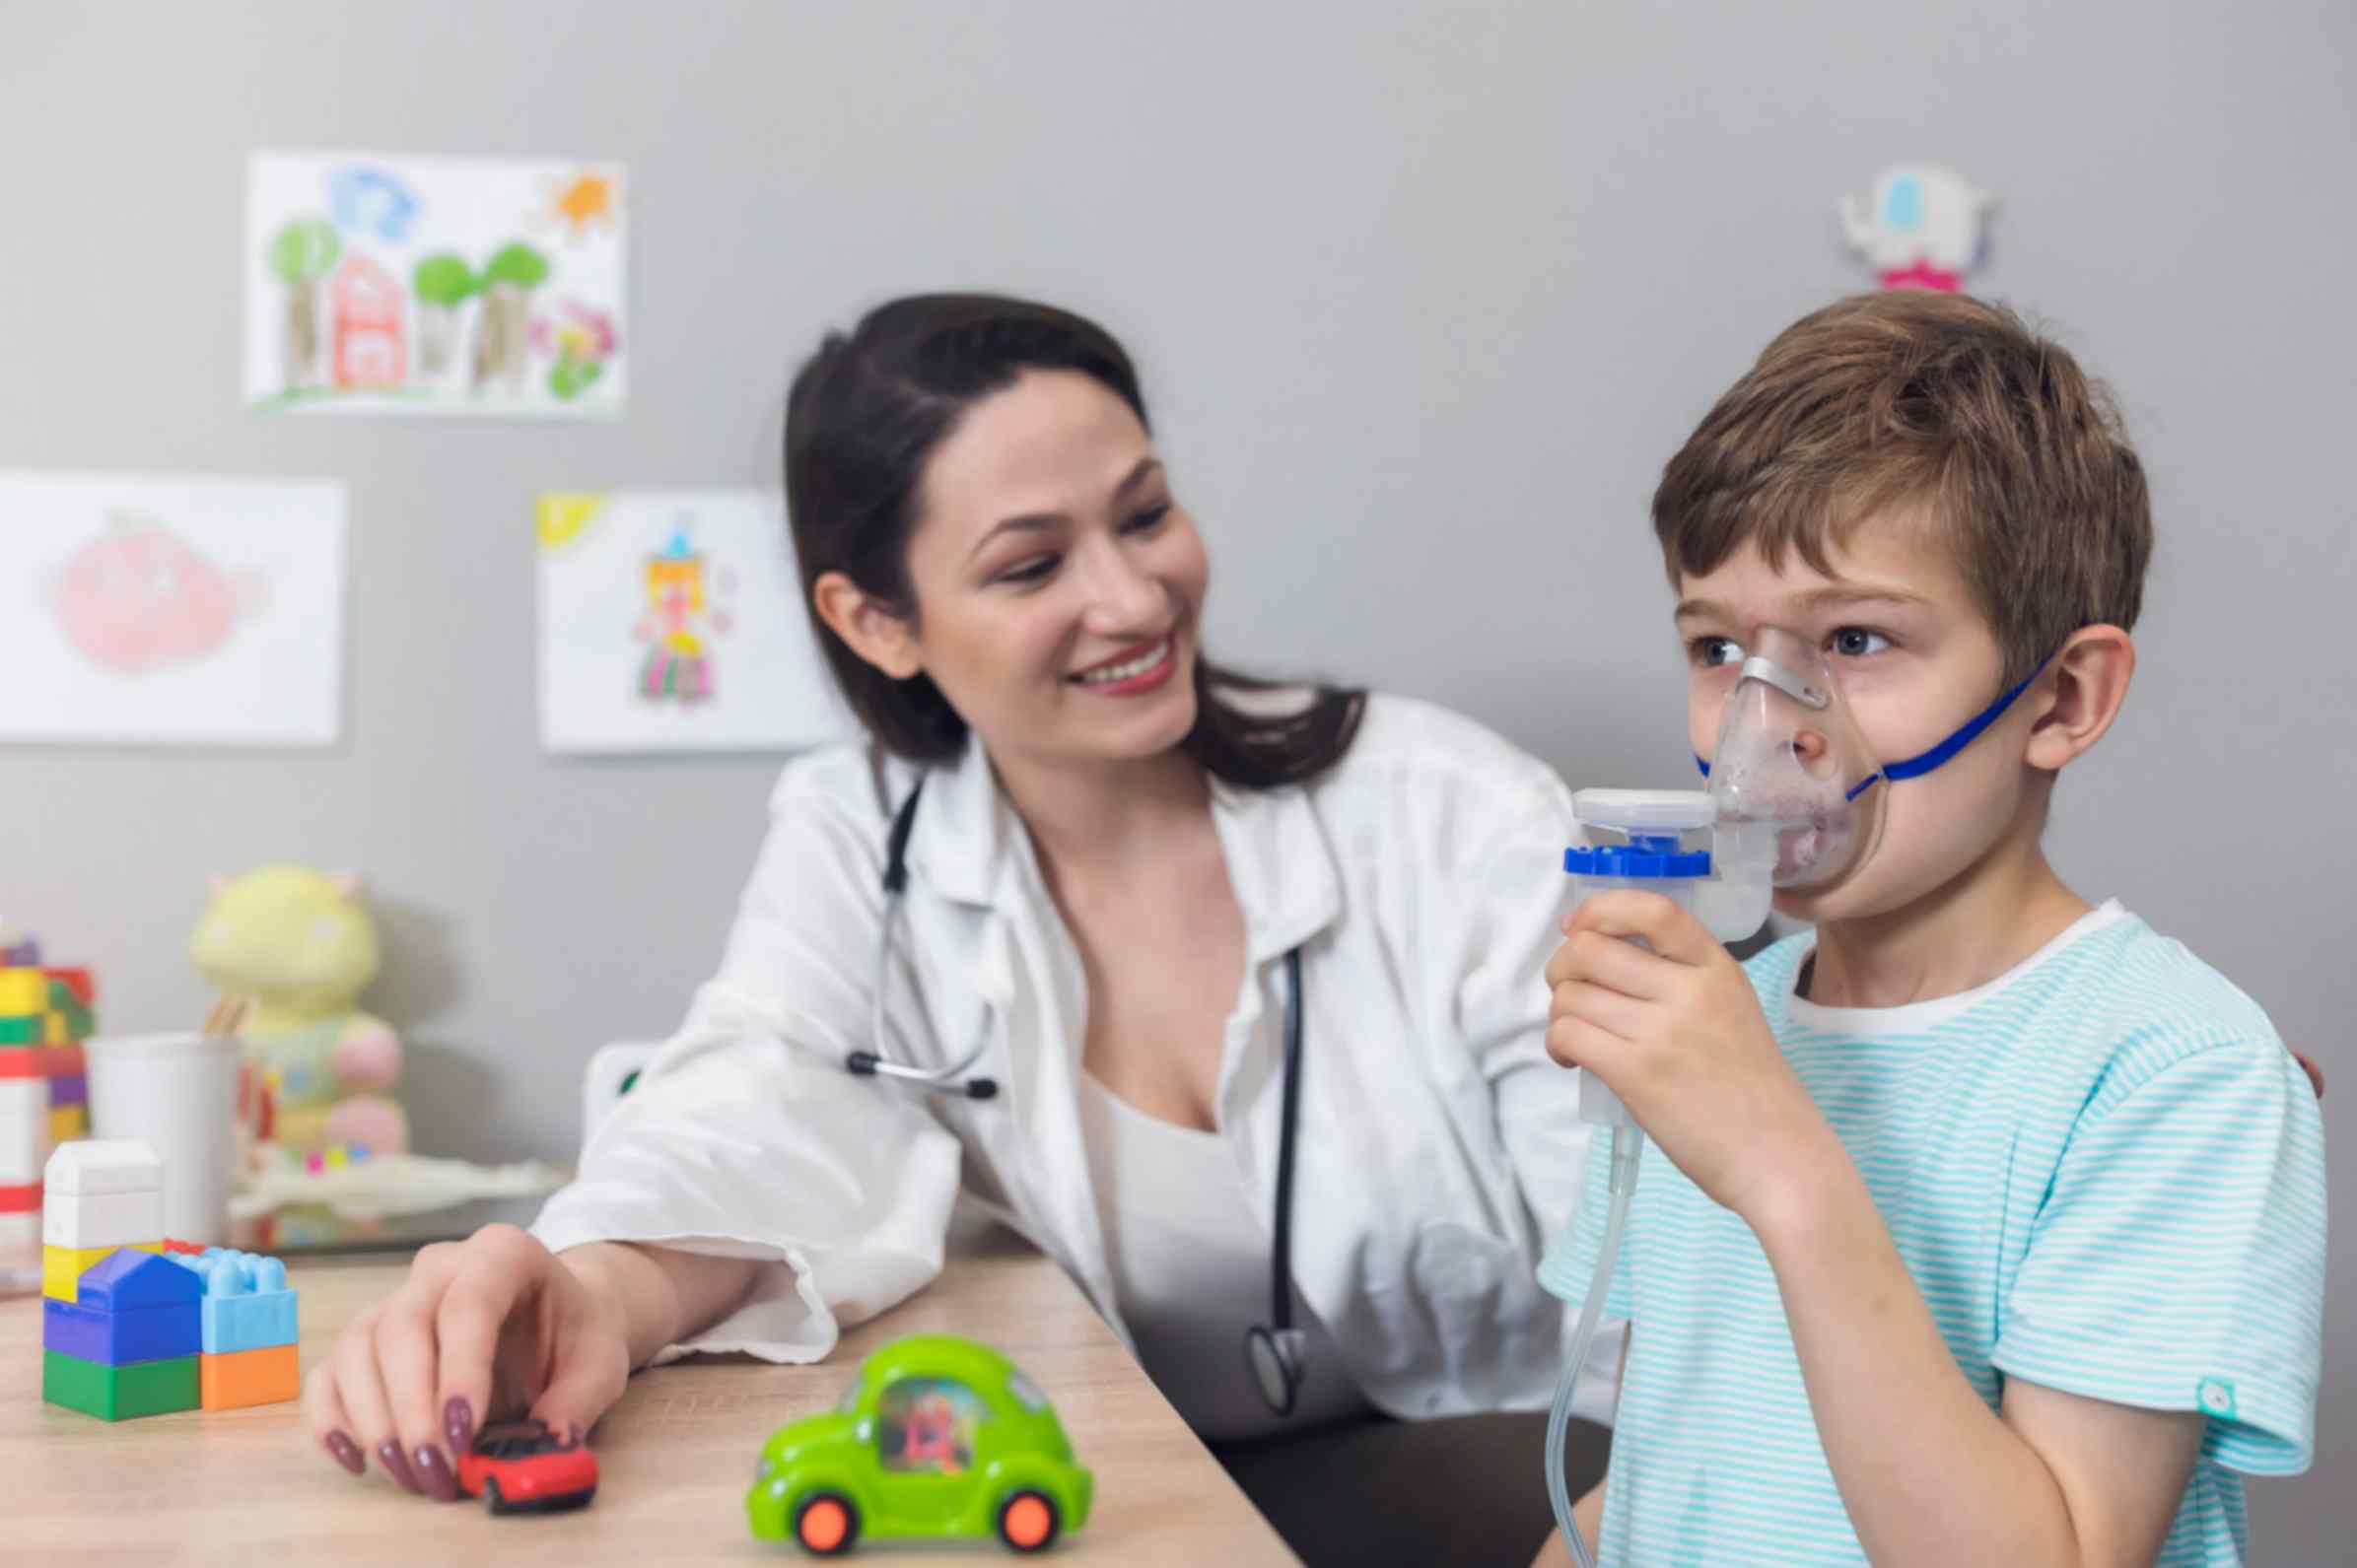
x=2113 y=998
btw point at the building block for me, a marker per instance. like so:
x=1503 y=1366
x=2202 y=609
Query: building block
x=77 y=979
x=134 y=1278
x=119 y=1393
x=24 y=1131
x=106 y=1165
x=53 y=1030
x=19 y=1232
x=69 y=1088
x=68 y=1123
x=22 y=1197
x=62 y=1267
x=23 y=992
x=100 y=1219
x=119 y=1338
x=24 y=1061
x=103 y=1193
x=246 y=1303
x=66 y=1002
x=27 y=1029
x=268 y=1375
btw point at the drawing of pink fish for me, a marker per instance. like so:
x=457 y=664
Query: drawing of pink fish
x=137 y=596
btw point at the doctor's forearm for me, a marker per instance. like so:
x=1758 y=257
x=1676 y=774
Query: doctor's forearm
x=666 y=1296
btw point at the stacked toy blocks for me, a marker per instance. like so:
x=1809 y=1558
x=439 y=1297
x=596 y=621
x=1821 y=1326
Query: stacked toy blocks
x=45 y=1094
x=121 y=1329
x=245 y=1329
x=135 y=1325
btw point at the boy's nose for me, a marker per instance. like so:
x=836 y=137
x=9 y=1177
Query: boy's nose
x=1812 y=750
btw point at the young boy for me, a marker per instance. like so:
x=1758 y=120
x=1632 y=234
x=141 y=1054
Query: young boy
x=1979 y=1225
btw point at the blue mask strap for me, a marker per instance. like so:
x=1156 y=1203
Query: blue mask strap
x=1916 y=766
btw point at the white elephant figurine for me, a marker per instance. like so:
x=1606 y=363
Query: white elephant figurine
x=1925 y=230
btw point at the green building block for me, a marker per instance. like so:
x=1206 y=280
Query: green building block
x=117 y=1394
x=22 y=1031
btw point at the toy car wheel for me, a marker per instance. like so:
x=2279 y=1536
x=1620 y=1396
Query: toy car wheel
x=1028 y=1521
x=492 y=1499
x=826 y=1524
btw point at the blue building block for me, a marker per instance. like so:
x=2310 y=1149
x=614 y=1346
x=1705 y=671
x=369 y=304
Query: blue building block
x=246 y=1303
x=130 y=1278
x=134 y=1306
x=119 y=1338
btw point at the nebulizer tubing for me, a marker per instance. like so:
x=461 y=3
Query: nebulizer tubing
x=1628 y=1142
x=1789 y=806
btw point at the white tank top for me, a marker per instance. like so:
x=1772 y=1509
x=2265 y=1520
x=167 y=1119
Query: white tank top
x=1189 y=1267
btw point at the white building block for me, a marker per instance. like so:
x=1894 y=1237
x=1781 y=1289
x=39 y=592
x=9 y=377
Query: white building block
x=23 y=1131
x=19 y=1232
x=101 y=1219
x=103 y=1193
x=105 y=1165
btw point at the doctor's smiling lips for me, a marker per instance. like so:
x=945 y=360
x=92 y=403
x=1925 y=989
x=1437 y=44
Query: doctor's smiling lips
x=1133 y=672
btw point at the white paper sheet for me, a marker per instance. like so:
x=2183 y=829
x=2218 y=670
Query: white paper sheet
x=195 y=611
x=672 y=621
x=389 y=284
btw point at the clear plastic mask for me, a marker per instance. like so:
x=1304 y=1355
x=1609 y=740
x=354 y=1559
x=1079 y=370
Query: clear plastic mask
x=1791 y=775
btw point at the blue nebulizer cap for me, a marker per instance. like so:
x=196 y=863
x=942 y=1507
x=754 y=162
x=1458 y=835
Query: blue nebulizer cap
x=1645 y=855
x=1651 y=822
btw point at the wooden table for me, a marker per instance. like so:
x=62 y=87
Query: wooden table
x=675 y=1456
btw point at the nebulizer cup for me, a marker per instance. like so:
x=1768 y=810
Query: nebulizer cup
x=1795 y=802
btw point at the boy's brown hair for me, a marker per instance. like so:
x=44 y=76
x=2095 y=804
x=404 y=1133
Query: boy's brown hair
x=1931 y=402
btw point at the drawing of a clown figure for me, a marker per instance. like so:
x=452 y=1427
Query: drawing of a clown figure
x=679 y=618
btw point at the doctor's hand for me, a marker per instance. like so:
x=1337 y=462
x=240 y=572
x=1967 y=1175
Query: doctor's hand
x=490 y=1328
x=1677 y=1033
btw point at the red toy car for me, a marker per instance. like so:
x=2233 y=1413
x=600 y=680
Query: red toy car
x=523 y=1467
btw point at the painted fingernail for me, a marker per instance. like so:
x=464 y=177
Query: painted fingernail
x=458 y=1422
x=434 y=1471
x=388 y=1455
x=345 y=1452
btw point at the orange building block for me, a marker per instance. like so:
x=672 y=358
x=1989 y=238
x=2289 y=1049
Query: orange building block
x=268 y=1375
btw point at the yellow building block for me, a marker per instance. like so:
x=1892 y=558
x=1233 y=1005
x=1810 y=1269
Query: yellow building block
x=68 y=1123
x=63 y=1266
x=54 y=1031
x=23 y=992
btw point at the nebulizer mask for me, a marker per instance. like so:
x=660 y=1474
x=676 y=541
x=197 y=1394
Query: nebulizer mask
x=1795 y=802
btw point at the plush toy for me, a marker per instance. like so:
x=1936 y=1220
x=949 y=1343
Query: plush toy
x=297 y=947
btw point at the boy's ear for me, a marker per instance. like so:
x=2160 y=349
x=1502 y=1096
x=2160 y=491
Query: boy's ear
x=869 y=626
x=2088 y=681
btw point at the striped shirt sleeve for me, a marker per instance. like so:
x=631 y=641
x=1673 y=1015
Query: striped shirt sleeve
x=2178 y=1263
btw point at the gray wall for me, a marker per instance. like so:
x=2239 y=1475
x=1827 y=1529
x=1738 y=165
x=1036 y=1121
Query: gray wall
x=1426 y=296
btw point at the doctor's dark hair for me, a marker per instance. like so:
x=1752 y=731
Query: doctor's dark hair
x=867 y=413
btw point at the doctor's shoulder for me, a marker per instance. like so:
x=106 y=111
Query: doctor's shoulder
x=832 y=807
x=1418 y=767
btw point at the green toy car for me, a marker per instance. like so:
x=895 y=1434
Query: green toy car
x=939 y=1436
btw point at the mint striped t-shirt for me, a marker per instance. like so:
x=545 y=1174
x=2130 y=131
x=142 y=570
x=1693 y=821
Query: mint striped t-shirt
x=2104 y=1171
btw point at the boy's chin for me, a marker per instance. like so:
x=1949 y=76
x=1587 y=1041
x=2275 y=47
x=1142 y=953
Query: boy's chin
x=1852 y=898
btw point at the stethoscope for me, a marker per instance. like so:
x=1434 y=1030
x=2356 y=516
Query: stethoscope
x=1275 y=1352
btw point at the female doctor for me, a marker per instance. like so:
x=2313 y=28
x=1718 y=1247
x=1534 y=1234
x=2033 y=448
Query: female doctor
x=1229 y=997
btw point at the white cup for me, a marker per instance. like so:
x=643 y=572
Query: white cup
x=176 y=1093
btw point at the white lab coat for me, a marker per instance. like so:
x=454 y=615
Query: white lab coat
x=1440 y=1147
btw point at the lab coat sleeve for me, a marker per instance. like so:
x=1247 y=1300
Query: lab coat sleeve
x=1507 y=928
x=745 y=1137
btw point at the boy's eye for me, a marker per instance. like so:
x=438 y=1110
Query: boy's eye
x=1711 y=653
x=1146 y=520
x=1856 y=642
